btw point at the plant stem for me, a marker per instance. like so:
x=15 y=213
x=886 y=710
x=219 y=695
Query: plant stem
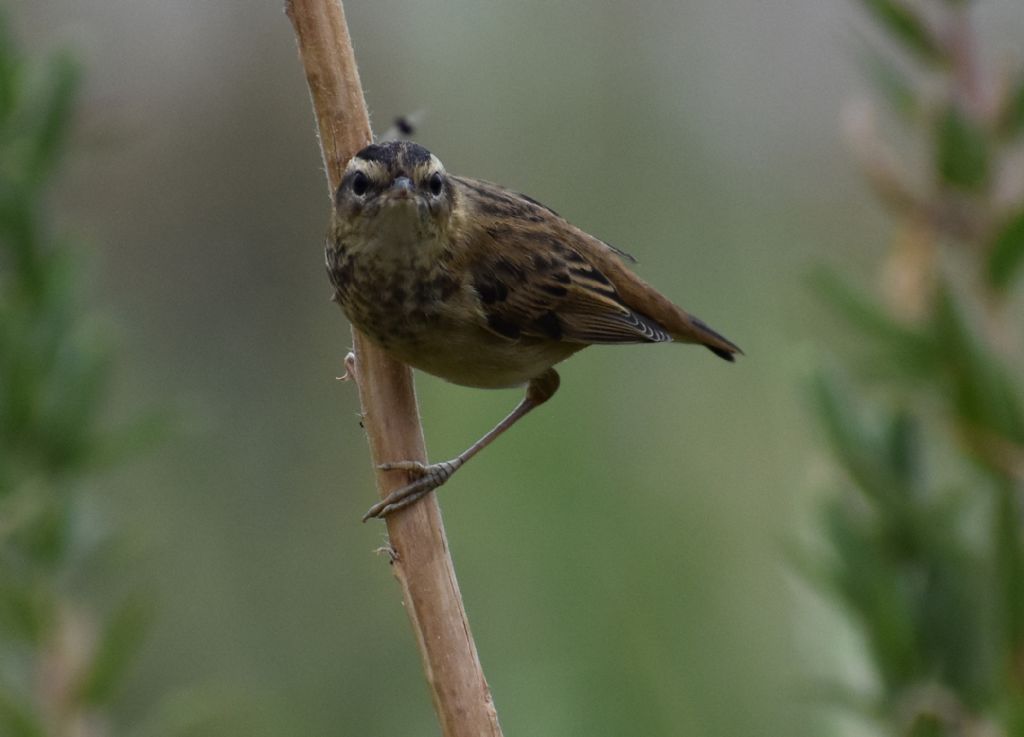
x=420 y=557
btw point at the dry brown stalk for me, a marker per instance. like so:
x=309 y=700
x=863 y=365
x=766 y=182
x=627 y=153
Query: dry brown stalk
x=421 y=561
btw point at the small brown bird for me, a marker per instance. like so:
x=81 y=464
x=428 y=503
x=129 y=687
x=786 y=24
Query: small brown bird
x=481 y=286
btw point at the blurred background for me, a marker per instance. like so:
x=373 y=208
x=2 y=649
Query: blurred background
x=622 y=553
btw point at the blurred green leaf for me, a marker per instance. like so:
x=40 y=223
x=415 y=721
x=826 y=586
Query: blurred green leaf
x=906 y=350
x=117 y=648
x=54 y=119
x=69 y=414
x=1014 y=710
x=954 y=614
x=25 y=611
x=1011 y=116
x=10 y=75
x=983 y=396
x=47 y=538
x=17 y=720
x=854 y=446
x=1006 y=252
x=962 y=150
x=871 y=590
x=901 y=562
x=929 y=725
x=893 y=85
x=20 y=243
x=903 y=23
x=1009 y=552
x=902 y=449
x=54 y=369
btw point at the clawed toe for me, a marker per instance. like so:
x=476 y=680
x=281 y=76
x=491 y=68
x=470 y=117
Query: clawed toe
x=400 y=499
x=427 y=479
x=414 y=467
x=350 y=368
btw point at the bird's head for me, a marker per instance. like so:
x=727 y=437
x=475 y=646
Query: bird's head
x=394 y=187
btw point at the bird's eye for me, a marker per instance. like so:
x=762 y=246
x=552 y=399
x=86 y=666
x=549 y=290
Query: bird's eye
x=360 y=183
x=436 y=184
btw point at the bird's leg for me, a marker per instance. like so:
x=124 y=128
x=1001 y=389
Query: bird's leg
x=429 y=477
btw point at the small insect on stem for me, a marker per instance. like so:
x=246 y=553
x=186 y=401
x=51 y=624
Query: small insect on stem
x=404 y=126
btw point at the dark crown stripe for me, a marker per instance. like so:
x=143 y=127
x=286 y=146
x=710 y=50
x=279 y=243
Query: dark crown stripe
x=395 y=154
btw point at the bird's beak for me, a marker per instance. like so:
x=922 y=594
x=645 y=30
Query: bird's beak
x=401 y=187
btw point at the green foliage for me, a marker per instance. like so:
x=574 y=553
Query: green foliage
x=1006 y=253
x=933 y=572
x=962 y=148
x=935 y=602
x=891 y=81
x=943 y=356
x=905 y=565
x=17 y=720
x=907 y=27
x=898 y=349
x=1011 y=118
x=979 y=392
x=54 y=371
x=116 y=648
x=942 y=104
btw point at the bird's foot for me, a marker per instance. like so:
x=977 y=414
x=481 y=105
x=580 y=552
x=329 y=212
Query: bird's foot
x=426 y=479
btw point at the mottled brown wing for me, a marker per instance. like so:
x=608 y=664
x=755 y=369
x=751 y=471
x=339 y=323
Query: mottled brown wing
x=531 y=282
x=538 y=275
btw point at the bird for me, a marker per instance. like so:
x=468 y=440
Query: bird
x=481 y=286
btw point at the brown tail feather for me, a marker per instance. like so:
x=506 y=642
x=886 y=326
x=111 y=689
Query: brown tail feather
x=644 y=299
x=699 y=332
